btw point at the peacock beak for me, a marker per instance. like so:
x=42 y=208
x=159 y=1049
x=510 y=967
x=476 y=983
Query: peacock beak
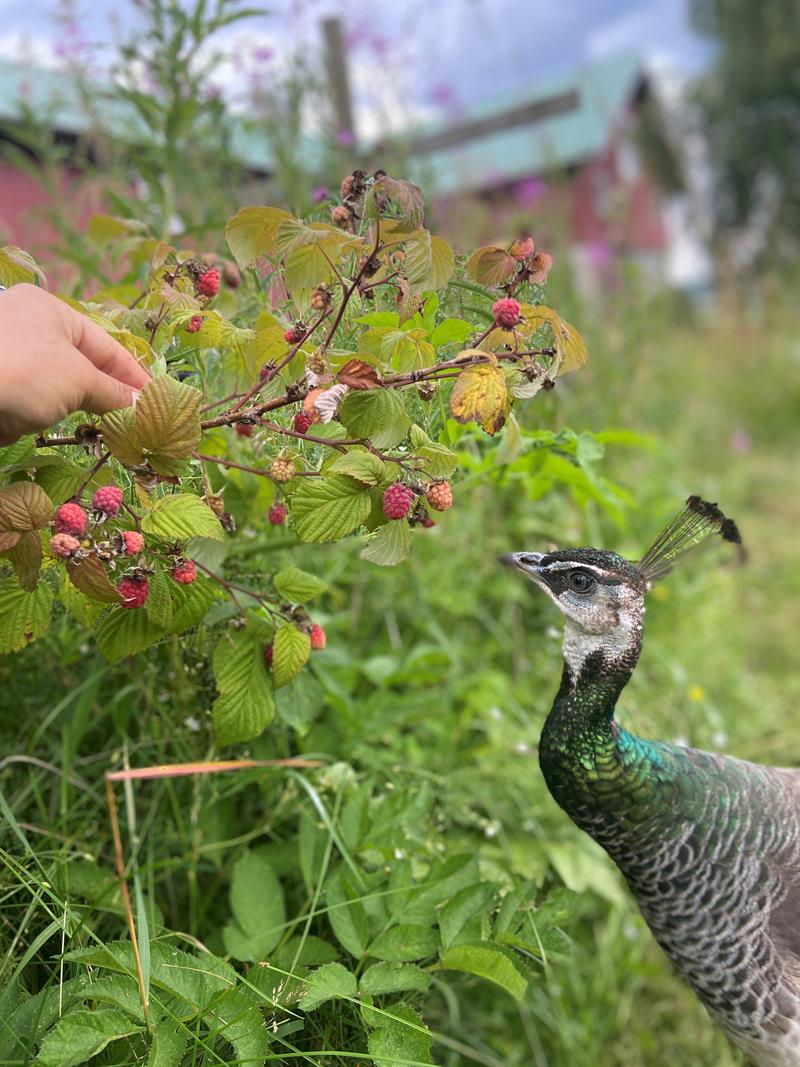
x=527 y=562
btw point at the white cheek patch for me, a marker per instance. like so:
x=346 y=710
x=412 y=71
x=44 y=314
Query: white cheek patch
x=579 y=644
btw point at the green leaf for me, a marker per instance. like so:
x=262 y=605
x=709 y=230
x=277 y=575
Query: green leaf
x=346 y=914
x=417 y=264
x=451 y=331
x=364 y=466
x=168 y=1044
x=490 y=961
x=18 y=266
x=168 y=417
x=191 y=602
x=180 y=516
x=24 y=615
x=393 y=978
x=403 y=1040
x=467 y=903
x=390 y=544
x=441 y=262
x=329 y=982
x=21 y=450
x=245 y=705
x=258 y=908
x=404 y=943
x=79 y=1035
x=298 y=586
x=125 y=631
x=252 y=232
x=159 y=603
x=325 y=509
x=24 y=506
x=26 y=559
x=290 y=651
x=378 y=414
x=119 y=436
x=304 y=952
x=300 y=702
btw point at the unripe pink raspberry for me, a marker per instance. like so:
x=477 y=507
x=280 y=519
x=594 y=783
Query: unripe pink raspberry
x=277 y=514
x=302 y=422
x=397 y=501
x=294 y=335
x=194 y=324
x=440 y=496
x=506 y=313
x=64 y=545
x=340 y=217
x=244 y=429
x=208 y=282
x=184 y=571
x=107 y=499
x=72 y=519
x=318 y=638
x=134 y=592
x=133 y=542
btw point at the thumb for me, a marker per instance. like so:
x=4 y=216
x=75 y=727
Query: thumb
x=102 y=393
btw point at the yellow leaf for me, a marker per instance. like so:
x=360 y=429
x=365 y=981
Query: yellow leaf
x=252 y=232
x=571 y=349
x=168 y=417
x=119 y=435
x=480 y=395
x=24 y=506
x=490 y=265
x=18 y=266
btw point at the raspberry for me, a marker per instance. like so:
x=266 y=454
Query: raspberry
x=72 y=519
x=107 y=499
x=268 y=654
x=194 y=324
x=244 y=429
x=208 y=282
x=318 y=638
x=302 y=422
x=64 y=545
x=231 y=275
x=184 y=571
x=277 y=514
x=347 y=187
x=506 y=313
x=294 y=335
x=340 y=217
x=282 y=470
x=320 y=299
x=397 y=501
x=522 y=249
x=426 y=521
x=133 y=542
x=134 y=592
x=439 y=496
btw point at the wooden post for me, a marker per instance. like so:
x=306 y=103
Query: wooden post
x=338 y=77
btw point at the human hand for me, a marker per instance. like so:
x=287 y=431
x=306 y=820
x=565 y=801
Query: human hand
x=54 y=361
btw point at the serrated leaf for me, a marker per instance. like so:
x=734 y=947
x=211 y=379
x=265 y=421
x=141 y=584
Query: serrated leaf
x=346 y=915
x=405 y=943
x=79 y=1035
x=389 y=545
x=168 y=417
x=378 y=414
x=245 y=705
x=21 y=450
x=26 y=559
x=404 y=195
x=332 y=981
x=358 y=375
x=490 y=265
x=181 y=516
x=18 y=266
x=451 y=331
x=86 y=611
x=119 y=436
x=364 y=466
x=24 y=506
x=168 y=1044
x=290 y=651
x=490 y=961
x=252 y=232
x=24 y=615
x=401 y=1040
x=102 y=229
x=456 y=913
x=431 y=267
x=91 y=578
x=480 y=395
x=159 y=602
x=191 y=602
x=258 y=907
x=571 y=349
x=383 y=978
x=126 y=631
x=417 y=263
x=298 y=586
x=325 y=509
x=307 y=267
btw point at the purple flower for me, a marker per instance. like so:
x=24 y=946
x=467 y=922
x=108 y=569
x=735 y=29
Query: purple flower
x=263 y=53
x=600 y=254
x=346 y=138
x=443 y=95
x=529 y=191
x=741 y=442
x=320 y=194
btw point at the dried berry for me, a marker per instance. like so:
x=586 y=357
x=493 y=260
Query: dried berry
x=340 y=216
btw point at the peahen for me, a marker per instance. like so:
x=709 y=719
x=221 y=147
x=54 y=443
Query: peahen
x=709 y=845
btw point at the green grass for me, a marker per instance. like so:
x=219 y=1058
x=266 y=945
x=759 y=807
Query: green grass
x=434 y=687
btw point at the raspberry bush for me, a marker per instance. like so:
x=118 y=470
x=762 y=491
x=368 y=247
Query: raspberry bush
x=356 y=357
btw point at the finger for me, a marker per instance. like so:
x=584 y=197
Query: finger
x=101 y=393
x=105 y=353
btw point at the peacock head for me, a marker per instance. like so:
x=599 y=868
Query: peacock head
x=602 y=594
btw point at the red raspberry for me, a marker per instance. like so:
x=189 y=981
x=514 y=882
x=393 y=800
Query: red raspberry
x=244 y=429
x=522 y=249
x=397 y=501
x=302 y=422
x=506 y=313
x=64 y=545
x=107 y=499
x=268 y=654
x=427 y=522
x=184 y=571
x=194 y=324
x=133 y=541
x=294 y=335
x=277 y=514
x=440 y=496
x=72 y=519
x=318 y=638
x=134 y=592
x=208 y=282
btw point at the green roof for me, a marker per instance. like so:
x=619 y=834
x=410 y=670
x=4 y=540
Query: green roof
x=559 y=140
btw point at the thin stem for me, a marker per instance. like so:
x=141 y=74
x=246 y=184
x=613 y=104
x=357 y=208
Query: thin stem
x=82 y=487
x=354 y=285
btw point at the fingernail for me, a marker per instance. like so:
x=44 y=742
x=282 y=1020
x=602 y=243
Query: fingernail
x=134 y=397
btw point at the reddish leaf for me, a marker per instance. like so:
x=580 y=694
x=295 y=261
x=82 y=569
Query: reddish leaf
x=358 y=375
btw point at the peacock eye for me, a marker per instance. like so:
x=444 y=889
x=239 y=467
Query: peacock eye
x=580 y=581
